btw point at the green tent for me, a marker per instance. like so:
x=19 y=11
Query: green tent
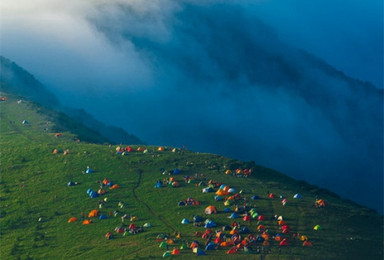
x=163 y=244
x=317 y=227
x=167 y=254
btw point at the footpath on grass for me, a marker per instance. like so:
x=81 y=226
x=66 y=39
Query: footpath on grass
x=140 y=172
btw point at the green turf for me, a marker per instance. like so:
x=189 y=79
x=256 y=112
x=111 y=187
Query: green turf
x=34 y=181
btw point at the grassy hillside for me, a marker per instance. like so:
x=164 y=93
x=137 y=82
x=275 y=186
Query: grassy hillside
x=36 y=202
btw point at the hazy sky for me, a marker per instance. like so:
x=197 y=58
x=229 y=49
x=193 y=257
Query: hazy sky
x=347 y=34
x=219 y=76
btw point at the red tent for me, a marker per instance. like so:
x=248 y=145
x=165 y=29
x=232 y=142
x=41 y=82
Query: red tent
x=261 y=217
x=132 y=226
x=233 y=250
x=284 y=242
x=247 y=218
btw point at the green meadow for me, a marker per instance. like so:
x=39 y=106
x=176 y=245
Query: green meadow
x=36 y=202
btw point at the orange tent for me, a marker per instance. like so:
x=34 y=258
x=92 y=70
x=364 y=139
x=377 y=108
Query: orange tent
x=226 y=244
x=194 y=245
x=221 y=192
x=114 y=186
x=210 y=210
x=228 y=172
x=87 y=222
x=93 y=213
x=161 y=149
x=140 y=149
x=73 y=219
x=175 y=252
x=58 y=134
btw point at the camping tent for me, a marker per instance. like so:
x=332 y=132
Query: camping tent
x=210 y=246
x=233 y=250
x=255 y=197
x=175 y=251
x=261 y=217
x=207 y=189
x=87 y=222
x=210 y=210
x=185 y=221
x=210 y=224
x=284 y=242
x=227 y=210
x=218 y=198
x=93 y=213
x=72 y=219
x=317 y=227
x=102 y=216
x=93 y=194
x=297 y=196
x=234 y=215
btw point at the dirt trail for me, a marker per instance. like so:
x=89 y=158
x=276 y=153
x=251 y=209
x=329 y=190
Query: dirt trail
x=140 y=172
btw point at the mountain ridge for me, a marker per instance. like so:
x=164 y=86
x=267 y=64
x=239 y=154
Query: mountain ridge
x=17 y=80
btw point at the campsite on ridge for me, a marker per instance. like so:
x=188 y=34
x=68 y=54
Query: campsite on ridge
x=64 y=197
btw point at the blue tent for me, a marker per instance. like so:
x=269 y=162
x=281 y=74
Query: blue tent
x=185 y=221
x=181 y=203
x=227 y=210
x=71 y=183
x=110 y=184
x=197 y=219
x=88 y=170
x=234 y=215
x=244 y=230
x=297 y=196
x=102 y=216
x=218 y=198
x=222 y=186
x=210 y=246
x=255 y=197
x=89 y=191
x=210 y=224
x=158 y=185
x=176 y=171
x=208 y=189
x=200 y=252
x=93 y=194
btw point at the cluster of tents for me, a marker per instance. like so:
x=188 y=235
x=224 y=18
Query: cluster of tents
x=239 y=172
x=130 y=149
x=237 y=236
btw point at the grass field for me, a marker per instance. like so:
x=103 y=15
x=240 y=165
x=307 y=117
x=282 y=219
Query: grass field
x=36 y=202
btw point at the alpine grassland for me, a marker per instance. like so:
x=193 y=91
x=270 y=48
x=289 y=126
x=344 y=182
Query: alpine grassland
x=37 y=164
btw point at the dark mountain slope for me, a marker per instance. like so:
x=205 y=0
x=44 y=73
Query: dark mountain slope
x=16 y=80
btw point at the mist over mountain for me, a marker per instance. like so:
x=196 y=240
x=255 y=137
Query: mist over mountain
x=224 y=82
x=223 y=77
x=14 y=79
